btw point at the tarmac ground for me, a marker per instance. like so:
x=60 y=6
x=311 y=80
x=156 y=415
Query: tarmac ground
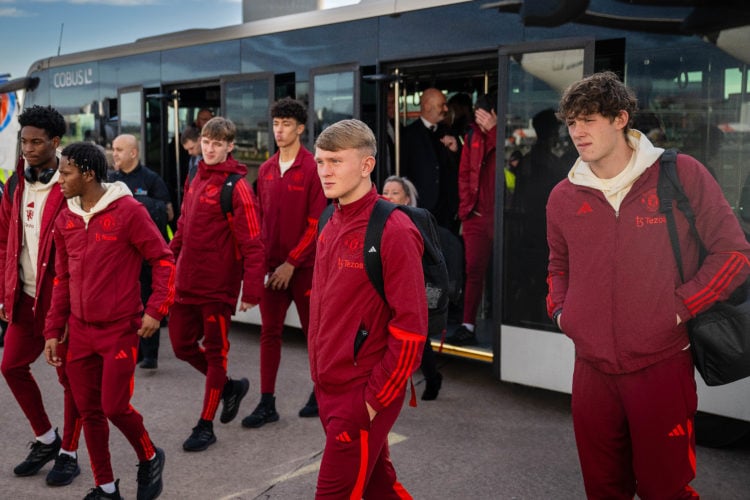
x=481 y=439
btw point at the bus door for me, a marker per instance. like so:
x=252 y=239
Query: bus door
x=462 y=79
x=165 y=113
x=536 y=155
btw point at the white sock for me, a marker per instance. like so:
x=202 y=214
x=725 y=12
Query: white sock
x=48 y=437
x=69 y=453
x=469 y=327
x=152 y=457
x=108 y=488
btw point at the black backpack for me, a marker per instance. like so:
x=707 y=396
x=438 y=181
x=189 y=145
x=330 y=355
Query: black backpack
x=433 y=263
x=225 y=198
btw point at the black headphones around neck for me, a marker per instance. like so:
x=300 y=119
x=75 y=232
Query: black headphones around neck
x=44 y=176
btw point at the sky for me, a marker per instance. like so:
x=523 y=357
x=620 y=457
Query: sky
x=31 y=29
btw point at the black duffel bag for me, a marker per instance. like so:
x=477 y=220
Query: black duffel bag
x=720 y=336
x=720 y=340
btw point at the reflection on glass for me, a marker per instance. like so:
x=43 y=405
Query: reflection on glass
x=333 y=98
x=131 y=114
x=537 y=156
x=247 y=105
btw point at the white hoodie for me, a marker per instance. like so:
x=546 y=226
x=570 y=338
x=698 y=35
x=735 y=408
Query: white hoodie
x=34 y=199
x=114 y=191
x=615 y=189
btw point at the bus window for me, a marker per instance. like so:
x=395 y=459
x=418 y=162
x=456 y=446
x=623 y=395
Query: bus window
x=333 y=98
x=537 y=156
x=247 y=103
x=131 y=114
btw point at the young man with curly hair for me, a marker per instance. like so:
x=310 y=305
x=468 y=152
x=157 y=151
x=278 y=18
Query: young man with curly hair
x=102 y=236
x=615 y=290
x=291 y=201
x=27 y=257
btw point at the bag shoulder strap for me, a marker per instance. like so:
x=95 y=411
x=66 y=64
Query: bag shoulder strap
x=10 y=187
x=225 y=198
x=373 y=236
x=324 y=217
x=669 y=189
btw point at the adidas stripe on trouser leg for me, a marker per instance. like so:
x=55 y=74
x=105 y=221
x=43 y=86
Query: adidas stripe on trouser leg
x=627 y=430
x=101 y=363
x=188 y=324
x=24 y=343
x=356 y=462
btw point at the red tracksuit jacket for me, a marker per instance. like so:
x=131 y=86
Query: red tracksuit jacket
x=11 y=239
x=99 y=266
x=213 y=259
x=476 y=174
x=343 y=302
x=614 y=275
x=290 y=207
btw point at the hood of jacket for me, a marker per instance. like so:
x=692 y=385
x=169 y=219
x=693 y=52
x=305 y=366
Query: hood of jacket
x=645 y=154
x=113 y=191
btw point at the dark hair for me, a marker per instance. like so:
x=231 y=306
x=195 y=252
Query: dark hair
x=602 y=93
x=46 y=118
x=546 y=124
x=289 y=108
x=460 y=99
x=190 y=134
x=87 y=157
x=487 y=102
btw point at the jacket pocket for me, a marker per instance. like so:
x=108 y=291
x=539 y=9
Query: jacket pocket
x=359 y=339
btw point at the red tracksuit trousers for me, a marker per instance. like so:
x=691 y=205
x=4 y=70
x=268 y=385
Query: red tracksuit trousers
x=356 y=462
x=188 y=325
x=635 y=431
x=273 y=308
x=477 y=234
x=101 y=363
x=24 y=343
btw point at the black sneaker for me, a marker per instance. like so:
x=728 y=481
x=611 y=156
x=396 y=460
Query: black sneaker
x=99 y=494
x=149 y=364
x=462 y=336
x=311 y=407
x=263 y=414
x=201 y=438
x=149 y=476
x=64 y=471
x=234 y=391
x=432 y=387
x=39 y=455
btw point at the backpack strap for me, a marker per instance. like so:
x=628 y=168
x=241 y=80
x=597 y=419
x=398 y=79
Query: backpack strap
x=225 y=198
x=669 y=189
x=324 y=217
x=373 y=236
x=11 y=185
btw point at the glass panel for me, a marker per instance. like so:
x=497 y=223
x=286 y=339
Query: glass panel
x=200 y=61
x=131 y=114
x=701 y=106
x=247 y=104
x=333 y=98
x=537 y=156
